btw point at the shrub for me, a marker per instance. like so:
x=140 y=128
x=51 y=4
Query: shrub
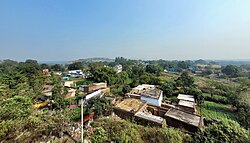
x=99 y=136
x=124 y=132
x=226 y=132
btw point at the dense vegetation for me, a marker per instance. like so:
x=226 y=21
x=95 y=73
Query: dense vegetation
x=109 y=130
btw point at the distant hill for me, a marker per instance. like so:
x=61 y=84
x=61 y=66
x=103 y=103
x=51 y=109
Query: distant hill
x=233 y=62
x=94 y=60
x=53 y=62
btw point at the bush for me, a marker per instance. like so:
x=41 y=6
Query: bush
x=99 y=136
x=162 y=135
x=215 y=98
x=82 y=82
x=124 y=131
x=225 y=132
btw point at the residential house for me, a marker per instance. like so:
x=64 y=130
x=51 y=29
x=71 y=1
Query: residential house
x=181 y=119
x=92 y=87
x=147 y=93
x=69 y=84
x=186 y=97
x=187 y=103
x=187 y=106
x=71 y=93
x=118 y=68
x=137 y=110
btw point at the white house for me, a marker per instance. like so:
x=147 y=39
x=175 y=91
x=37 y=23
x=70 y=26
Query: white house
x=153 y=97
x=118 y=68
x=75 y=72
x=147 y=93
x=58 y=73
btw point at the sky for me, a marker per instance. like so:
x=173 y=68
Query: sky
x=61 y=30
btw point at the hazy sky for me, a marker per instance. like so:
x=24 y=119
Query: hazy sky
x=50 y=30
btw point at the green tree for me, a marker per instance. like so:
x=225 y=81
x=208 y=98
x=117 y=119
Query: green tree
x=99 y=136
x=153 y=69
x=15 y=107
x=126 y=89
x=57 y=67
x=75 y=66
x=185 y=82
x=101 y=73
x=137 y=71
x=168 y=88
x=226 y=132
x=231 y=70
x=45 y=66
x=30 y=68
x=122 y=78
x=148 y=79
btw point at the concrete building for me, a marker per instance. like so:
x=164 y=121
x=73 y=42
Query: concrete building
x=71 y=93
x=187 y=106
x=118 y=68
x=45 y=71
x=181 y=119
x=69 y=83
x=58 y=73
x=187 y=103
x=75 y=72
x=152 y=96
x=186 y=97
x=137 y=110
x=147 y=93
x=92 y=87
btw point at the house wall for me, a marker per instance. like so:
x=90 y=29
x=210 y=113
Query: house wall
x=145 y=122
x=151 y=100
x=123 y=114
x=81 y=88
x=158 y=111
x=88 y=88
x=94 y=87
x=69 y=83
x=187 y=109
x=154 y=101
x=178 y=124
x=106 y=90
x=131 y=116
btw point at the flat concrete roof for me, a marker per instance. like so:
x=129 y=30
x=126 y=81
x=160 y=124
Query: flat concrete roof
x=186 y=97
x=152 y=93
x=186 y=103
x=100 y=83
x=150 y=117
x=184 y=117
x=131 y=105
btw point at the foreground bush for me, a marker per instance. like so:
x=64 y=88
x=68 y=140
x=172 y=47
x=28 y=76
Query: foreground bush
x=123 y=132
x=20 y=123
x=226 y=132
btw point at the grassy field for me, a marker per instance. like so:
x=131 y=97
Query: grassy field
x=220 y=111
x=215 y=98
x=168 y=76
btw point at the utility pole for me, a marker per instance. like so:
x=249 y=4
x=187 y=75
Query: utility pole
x=82 y=117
